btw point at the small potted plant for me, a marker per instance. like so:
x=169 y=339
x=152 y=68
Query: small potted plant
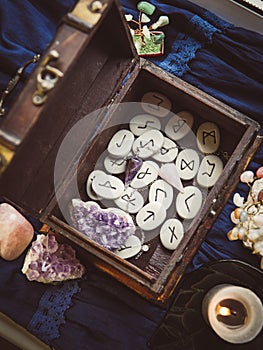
x=147 y=41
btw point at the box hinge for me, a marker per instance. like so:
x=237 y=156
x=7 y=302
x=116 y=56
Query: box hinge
x=86 y=14
x=6 y=156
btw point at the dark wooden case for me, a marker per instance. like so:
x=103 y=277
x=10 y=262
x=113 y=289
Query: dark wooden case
x=101 y=70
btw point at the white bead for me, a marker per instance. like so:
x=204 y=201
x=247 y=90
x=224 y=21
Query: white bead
x=121 y=143
x=209 y=171
x=171 y=233
x=114 y=166
x=247 y=176
x=238 y=200
x=146 y=175
x=107 y=186
x=130 y=200
x=151 y=216
x=179 y=125
x=144 y=122
x=167 y=153
x=233 y=218
x=160 y=191
x=258 y=220
x=256 y=188
x=187 y=164
x=148 y=144
x=156 y=103
x=89 y=190
x=208 y=137
x=132 y=247
x=189 y=203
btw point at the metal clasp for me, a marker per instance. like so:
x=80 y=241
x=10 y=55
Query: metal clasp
x=47 y=77
x=13 y=82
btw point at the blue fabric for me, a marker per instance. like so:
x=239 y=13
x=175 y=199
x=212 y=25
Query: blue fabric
x=51 y=309
x=201 y=48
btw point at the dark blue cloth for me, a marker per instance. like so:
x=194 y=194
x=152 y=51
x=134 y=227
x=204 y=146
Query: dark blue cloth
x=226 y=62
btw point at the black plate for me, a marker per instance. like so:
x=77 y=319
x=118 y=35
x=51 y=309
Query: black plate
x=184 y=328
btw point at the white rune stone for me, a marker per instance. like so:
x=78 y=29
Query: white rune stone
x=156 y=103
x=209 y=171
x=148 y=144
x=141 y=123
x=107 y=186
x=151 y=216
x=121 y=143
x=189 y=203
x=171 y=233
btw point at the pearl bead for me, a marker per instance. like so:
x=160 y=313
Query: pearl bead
x=242 y=232
x=243 y=216
x=258 y=220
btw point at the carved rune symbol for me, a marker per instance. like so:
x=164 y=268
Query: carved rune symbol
x=128 y=199
x=189 y=165
x=107 y=184
x=145 y=125
x=156 y=105
x=186 y=201
x=121 y=142
x=178 y=125
x=164 y=150
x=156 y=194
x=173 y=235
x=117 y=162
x=147 y=143
x=142 y=174
x=212 y=170
x=151 y=215
x=123 y=248
x=207 y=134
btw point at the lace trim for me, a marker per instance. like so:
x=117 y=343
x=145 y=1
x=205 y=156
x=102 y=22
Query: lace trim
x=49 y=316
x=203 y=29
x=182 y=52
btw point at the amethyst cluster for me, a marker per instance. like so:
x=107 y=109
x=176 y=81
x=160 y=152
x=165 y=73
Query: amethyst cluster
x=109 y=227
x=48 y=261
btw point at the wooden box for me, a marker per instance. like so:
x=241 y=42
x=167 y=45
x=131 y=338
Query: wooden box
x=101 y=75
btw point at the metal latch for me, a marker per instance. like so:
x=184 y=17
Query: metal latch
x=47 y=77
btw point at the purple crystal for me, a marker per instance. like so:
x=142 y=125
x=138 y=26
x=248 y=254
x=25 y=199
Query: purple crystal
x=133 y=166
x=51 y=261
x=110 y=227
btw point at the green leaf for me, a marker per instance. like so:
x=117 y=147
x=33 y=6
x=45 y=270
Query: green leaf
x=145 y=18
x=158 y=38
x=146 y=7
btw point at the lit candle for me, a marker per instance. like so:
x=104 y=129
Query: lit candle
x=234 y=313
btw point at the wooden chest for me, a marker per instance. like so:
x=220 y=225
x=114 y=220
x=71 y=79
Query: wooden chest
x=52 y=141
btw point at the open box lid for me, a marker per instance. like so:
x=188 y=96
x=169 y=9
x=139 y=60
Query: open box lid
x=94 y=53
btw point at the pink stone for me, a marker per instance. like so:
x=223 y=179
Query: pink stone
x=259 y=172
x=169 y=173
x=15 y=232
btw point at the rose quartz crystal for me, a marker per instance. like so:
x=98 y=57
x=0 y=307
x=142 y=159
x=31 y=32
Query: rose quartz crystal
x=15 y=232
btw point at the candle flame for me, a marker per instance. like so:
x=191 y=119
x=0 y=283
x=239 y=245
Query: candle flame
x=224 y=311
